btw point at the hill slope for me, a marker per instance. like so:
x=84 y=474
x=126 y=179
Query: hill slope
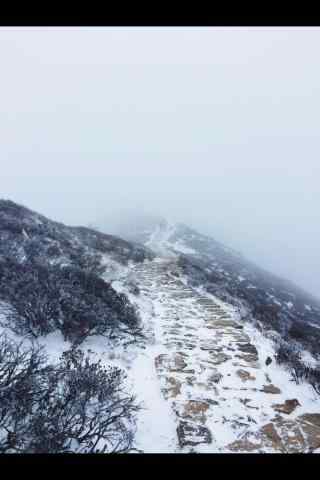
x=275 y=304
x=50 y=275
x=147 y=344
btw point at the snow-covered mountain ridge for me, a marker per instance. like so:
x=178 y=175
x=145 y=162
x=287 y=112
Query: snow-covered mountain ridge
x=276 y=304
x=196 y=367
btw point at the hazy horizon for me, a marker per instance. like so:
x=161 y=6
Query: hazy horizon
x=214 y=127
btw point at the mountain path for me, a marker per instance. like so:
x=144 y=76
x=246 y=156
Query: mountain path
x=225 y=394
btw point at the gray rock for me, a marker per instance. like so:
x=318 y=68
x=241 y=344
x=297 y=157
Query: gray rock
x=192 y=434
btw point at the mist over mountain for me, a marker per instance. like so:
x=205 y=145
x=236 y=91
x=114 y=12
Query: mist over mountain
x=215 y=127
x=159 y=240
x=226 y=273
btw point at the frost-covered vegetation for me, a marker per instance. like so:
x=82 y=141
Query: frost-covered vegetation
x=276 y=303
x=73 y=406
x=51 y=276
x=78 y=302
x=273 y=304
x=290 y=355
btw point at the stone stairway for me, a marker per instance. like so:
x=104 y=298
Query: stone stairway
x=220 y=389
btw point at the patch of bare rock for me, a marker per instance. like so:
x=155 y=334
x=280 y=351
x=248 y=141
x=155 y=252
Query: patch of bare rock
x=287 y=407
x=192 y=434
x=244 y=375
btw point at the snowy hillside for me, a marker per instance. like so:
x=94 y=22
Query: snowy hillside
x=274 y=303
x=147 y=348
x=218 y=373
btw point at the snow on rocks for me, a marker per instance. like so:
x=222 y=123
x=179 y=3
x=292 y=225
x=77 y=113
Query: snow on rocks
x=205 y=381
x=213 y=373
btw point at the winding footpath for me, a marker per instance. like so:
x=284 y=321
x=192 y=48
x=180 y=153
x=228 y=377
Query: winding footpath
x=219 y=376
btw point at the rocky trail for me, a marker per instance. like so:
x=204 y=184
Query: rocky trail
x=219 y=376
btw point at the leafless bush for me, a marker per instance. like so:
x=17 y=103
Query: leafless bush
x=74 y=406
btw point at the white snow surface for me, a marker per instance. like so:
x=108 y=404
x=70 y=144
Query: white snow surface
x=159 y=304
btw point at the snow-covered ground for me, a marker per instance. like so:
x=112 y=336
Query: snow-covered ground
x=196 y=367
x=240 y=405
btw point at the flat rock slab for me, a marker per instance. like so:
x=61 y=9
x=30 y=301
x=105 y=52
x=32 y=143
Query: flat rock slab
x=287 y=436
x=287 y=407
x=216 y=358
x=264 y=440
x=191 y=434
x=173 y=388
x=294 y=436
x=245 y=375
x=310 y=424
x=270 y=433
x=172 y=363
x=193 y=410
x=210 y=345
x=252 y=365
x=243 y=445
x=247 y=348
x=221 y=323
x=270 y=389
x=249 y=358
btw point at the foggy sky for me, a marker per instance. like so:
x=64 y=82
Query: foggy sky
x=215 y=127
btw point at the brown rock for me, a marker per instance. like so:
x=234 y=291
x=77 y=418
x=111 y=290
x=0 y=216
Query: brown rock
x=272 y=434
x=174 y=388
x=243 y=445
x=244 y=375
x=173 y=363
x=310 y=424
x=192 y=410
x=311 y=418
x=270 y=389
x=291 y=435
x=287 y=407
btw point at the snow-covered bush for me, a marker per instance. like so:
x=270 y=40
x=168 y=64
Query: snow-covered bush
x=76 y=301
x=290 y=355
x=74 y=406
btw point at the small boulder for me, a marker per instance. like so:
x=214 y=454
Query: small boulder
x=247 y=348
x=173 y=388
x=244 y=375
x=271 y=433
x=287 y=407
x=193 y=410
x=270 y=389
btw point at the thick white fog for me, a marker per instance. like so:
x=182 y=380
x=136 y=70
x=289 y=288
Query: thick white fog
x=215 y=127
